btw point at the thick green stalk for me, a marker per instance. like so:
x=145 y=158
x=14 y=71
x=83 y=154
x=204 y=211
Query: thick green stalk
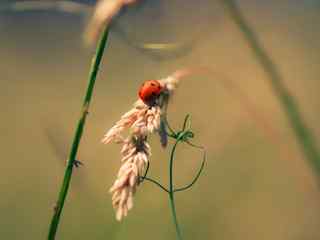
x=303 y=133
x=77 y=137
x=171 y=191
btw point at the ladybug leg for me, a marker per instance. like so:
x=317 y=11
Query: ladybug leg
x=153 y=102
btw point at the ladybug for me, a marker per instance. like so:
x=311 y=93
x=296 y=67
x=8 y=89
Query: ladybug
x=150 y=91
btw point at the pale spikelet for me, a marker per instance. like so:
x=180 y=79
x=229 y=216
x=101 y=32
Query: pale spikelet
x=104 y=11
x=148 y=120
x=142 y=120
x=126 y=121
x=135 y=152
x=172 y=81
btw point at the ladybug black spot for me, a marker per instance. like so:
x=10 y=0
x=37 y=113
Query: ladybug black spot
x=152 y=84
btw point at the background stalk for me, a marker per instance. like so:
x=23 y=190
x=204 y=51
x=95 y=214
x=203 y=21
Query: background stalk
x=77 y=137
x=287 y=101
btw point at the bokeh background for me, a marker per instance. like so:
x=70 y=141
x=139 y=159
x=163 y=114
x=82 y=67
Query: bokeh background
x=256 y=184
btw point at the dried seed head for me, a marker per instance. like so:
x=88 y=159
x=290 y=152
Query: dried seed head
x=141 y=120
x=135 y=155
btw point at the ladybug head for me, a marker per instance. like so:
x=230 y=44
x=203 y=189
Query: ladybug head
x=150 y=91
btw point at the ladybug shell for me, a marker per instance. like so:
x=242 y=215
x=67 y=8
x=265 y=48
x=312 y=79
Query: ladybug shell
x=149 y=91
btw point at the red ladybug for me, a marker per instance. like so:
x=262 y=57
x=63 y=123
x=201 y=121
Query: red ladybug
x=150 y=91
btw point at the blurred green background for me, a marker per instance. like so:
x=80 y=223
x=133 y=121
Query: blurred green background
x=253 y=186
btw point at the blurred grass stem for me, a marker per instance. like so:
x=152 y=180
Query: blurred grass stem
x=289 y=105
x=77 y=137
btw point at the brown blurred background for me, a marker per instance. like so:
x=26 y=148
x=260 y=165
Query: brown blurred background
x=253 y=187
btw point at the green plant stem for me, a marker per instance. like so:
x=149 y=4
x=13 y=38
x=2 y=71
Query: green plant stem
x=171 y=191
x=77 y=137
x=303 y=133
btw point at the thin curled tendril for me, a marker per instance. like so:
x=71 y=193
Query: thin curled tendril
x=184 y=135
